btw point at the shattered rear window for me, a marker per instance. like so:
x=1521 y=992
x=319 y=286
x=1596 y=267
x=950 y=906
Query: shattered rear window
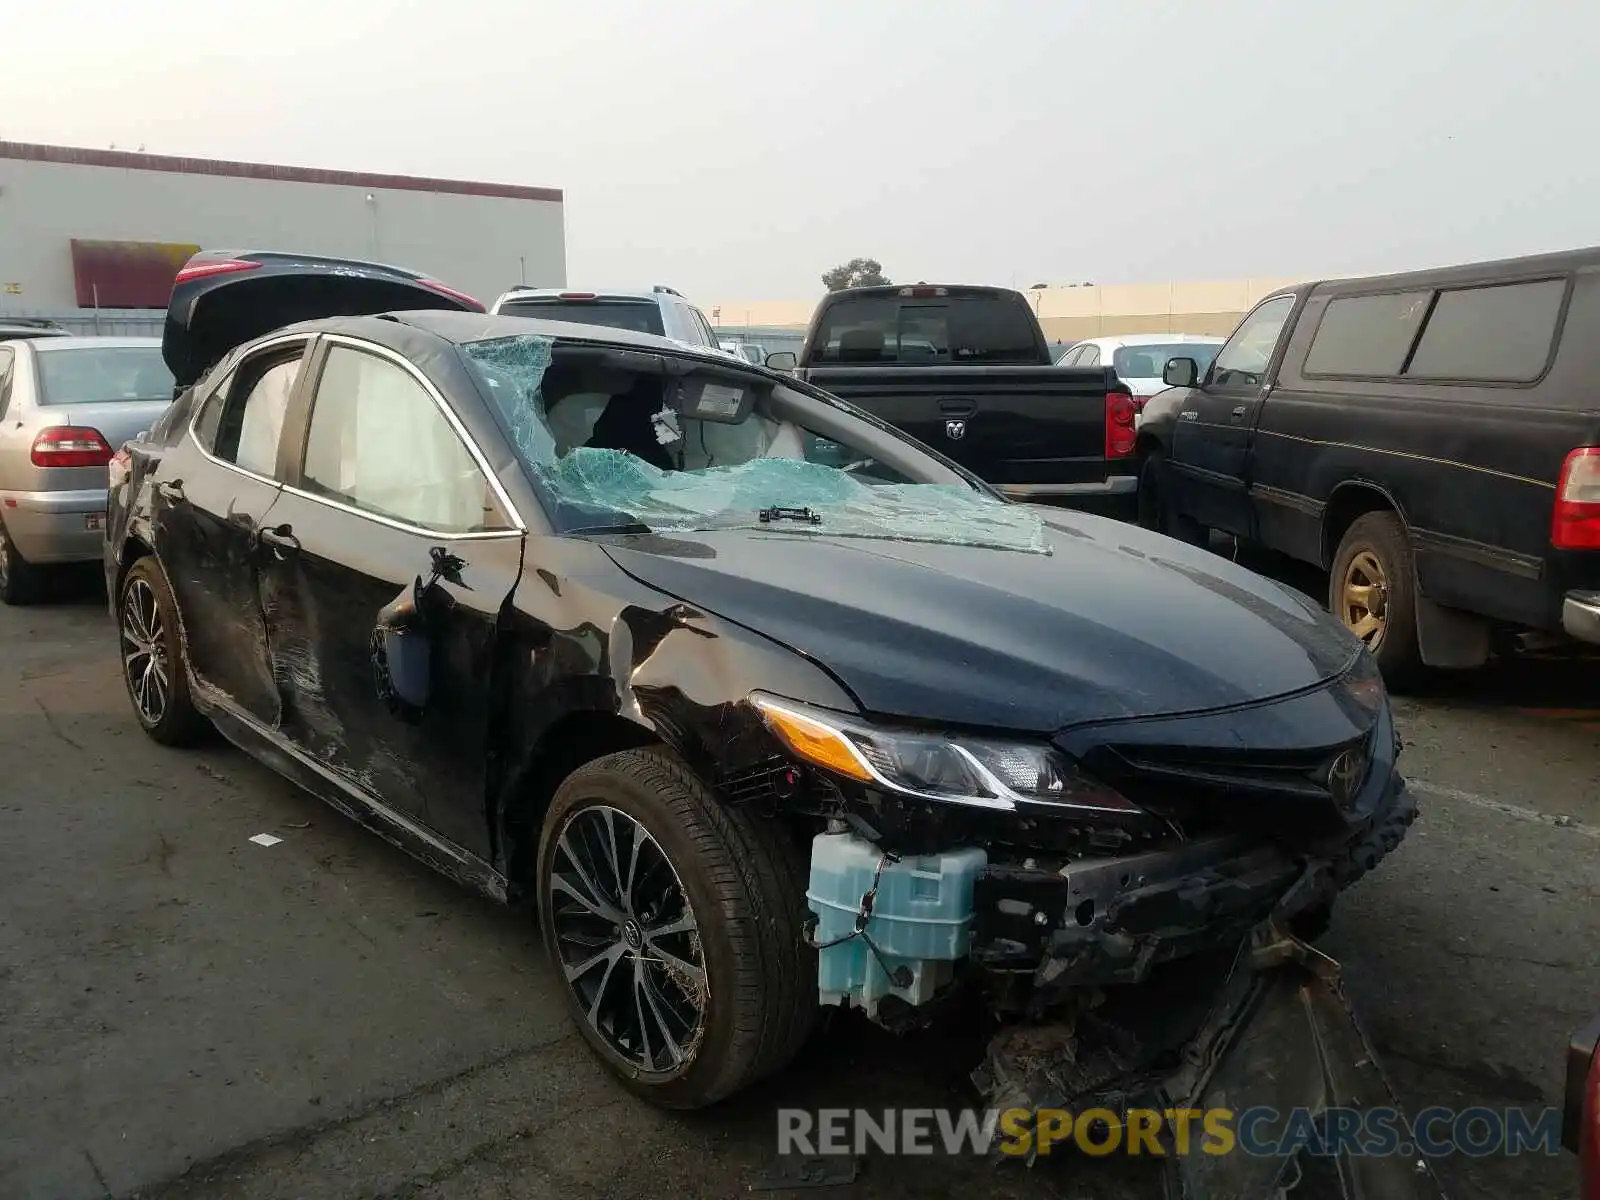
x=624 y=456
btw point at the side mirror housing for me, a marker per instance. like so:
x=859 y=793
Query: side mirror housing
x=1181 y=372
x=403 y=652
x=783 y=360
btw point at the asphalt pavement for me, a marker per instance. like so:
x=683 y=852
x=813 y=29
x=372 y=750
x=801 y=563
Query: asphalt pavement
x=188 y=1014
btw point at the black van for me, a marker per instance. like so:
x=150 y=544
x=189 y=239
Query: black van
x=1432 y=439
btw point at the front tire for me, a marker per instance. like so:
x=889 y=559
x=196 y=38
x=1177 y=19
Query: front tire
x=676 y=925
x=151 y=646
x=21 y=582
x=1154 y=512
x=1372 y=589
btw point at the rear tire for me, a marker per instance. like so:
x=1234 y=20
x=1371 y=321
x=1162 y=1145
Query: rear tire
x=706 y=945
x=1155 y=513
x=150 y=645
x=20 y=581
x=1150 y=490
x=1372 y=590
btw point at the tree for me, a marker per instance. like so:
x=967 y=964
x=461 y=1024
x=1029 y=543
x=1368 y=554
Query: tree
x=858 y=272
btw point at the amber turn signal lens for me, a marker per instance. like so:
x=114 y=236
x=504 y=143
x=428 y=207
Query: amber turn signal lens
x=814 y=741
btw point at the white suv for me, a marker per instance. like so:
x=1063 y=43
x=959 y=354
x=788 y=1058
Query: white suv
x=660 y=311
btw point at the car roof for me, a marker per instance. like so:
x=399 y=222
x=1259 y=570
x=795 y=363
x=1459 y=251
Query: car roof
x=73 y=342
x=1155 y=339
x=655 y=293
x=463 y=328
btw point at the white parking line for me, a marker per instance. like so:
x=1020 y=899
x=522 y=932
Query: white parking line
x=1500 y=806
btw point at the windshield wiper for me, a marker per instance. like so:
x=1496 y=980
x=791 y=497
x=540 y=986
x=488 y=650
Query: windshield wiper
x=619 y=527
x=769 y=515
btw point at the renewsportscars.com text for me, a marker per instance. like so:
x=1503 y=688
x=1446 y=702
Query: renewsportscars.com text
x=1264 y=1132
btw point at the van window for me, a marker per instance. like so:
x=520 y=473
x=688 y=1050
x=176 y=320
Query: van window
x=1498 y=334
x=1367 y=335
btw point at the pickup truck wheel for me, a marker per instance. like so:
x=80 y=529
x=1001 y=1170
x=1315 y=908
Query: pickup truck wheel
x=1153 y=510
x=1150 y=490
x=677 y=927
x=1372 y=589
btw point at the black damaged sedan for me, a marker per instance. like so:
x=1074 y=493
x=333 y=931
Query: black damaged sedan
x=761 y=705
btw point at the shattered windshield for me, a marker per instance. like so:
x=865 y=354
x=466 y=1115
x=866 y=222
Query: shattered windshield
x=622 y=440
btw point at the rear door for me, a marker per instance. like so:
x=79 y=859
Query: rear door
x=389 y=491
x=214 y=492
x=1211 y=440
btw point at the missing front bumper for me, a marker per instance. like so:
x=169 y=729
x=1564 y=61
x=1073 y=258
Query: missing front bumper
x=1272 y=1034
x=1111 y=921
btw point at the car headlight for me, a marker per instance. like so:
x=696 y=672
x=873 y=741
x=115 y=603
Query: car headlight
x=956 y=770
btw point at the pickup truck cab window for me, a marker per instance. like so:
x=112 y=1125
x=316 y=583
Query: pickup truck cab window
x=1367 y=335
x=1499 y=334
x=1243 y=361
x=984 y=328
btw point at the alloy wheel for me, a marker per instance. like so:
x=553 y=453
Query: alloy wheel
x=627 y=940
x=1364 y=595
x=144 y=652
x=5 y=559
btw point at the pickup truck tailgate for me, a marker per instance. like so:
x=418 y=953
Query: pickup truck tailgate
x=1023 y=425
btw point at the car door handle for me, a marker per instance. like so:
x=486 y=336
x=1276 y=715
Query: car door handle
x=172 y=492
x=281 y=538
x=1238 y=413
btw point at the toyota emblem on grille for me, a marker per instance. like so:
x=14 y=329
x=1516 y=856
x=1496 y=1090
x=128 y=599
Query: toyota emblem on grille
x=955 y=430
x=1346 y=774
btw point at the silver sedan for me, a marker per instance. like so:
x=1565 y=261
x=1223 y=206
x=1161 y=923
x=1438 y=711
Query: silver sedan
x=66 y=405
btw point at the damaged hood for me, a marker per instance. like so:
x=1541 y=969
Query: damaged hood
x=1114 y=622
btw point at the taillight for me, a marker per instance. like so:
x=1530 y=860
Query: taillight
x=577 y=296
x=221 y=266
x=70 y=446
x=923 y=290
x=1575 y=524
x=1120 y=414
x=433 y=285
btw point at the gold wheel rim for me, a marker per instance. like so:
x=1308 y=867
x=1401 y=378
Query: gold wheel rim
x=1364 y=598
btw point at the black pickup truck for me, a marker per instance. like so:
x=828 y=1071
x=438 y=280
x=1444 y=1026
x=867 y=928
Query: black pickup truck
x=1431 y=439
x=967 y=371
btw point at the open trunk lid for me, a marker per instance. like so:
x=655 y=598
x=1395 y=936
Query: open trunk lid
x=222 y=299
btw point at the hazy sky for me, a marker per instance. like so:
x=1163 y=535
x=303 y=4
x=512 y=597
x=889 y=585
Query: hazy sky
x=736 y=148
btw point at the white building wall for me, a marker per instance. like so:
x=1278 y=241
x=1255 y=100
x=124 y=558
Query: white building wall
x=480 y=244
